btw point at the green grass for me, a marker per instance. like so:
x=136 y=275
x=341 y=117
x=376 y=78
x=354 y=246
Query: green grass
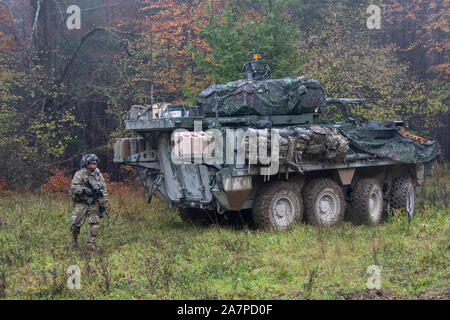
x=149 y=253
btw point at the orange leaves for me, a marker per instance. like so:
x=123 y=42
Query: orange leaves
x=5 y=16
x=125 y=187
x=441 y=68
x=58 y=182
x=170 y=28
x=6 y=42
x=2 y=184
x=423 y=24
x=4 y=192
x=413 y=137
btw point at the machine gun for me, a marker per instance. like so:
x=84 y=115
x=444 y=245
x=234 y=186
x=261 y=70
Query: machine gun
x=342 y=103
x=345 y=101
x=96 y=193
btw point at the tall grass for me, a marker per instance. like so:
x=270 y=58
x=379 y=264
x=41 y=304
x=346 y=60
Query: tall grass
x=149 y=253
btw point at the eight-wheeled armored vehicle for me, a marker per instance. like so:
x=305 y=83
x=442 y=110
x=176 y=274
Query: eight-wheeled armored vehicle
x=260 y=145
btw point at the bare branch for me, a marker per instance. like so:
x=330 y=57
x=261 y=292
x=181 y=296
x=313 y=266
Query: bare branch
x=83 y=39
x=60 y=12
x=35 y=23
x=32 y=33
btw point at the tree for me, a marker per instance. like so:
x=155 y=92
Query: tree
x=352 y=61
x=236 y=28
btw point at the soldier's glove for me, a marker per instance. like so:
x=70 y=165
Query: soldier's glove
x=99 y=194
x=88 y=192
x=101 y=210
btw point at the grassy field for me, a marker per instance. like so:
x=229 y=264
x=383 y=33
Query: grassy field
x=149 y=253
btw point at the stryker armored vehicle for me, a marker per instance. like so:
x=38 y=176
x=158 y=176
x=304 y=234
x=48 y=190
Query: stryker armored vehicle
x=262 y=145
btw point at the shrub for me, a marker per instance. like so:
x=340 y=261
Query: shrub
x=2 y=184
x=59 y=182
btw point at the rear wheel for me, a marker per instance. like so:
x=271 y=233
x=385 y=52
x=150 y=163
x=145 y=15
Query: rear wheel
x=402 y=196
x=277 y=206
x=366 y=205
x=197 y=217
x=324 y=202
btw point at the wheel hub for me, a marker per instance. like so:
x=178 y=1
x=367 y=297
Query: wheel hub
x=375 y=205
x=327 y=205
x=410 y=202
x=283 y=211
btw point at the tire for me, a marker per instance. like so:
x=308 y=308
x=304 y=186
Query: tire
x=402 y=196
x=366 y=204
x=324 y=202
x=277 y=206
x=197 y=217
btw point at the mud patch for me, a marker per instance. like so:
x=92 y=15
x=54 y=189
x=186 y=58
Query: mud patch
x=366 y=295
x=435 y=294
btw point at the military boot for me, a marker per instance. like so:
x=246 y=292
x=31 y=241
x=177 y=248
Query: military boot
x=75 y=241
x=93 y=247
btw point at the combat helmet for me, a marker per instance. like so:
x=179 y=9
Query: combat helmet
x=88 y=158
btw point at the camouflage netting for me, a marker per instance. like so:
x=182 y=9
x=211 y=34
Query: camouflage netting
x=315 y=143
x=266 y=97
x=397 y=147
x=319 y=143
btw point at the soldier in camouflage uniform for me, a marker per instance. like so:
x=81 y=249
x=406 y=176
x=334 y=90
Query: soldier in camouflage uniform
x=89 y=202
x=256 y=69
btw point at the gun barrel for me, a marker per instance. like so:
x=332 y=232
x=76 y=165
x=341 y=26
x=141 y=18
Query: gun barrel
x=344 y=101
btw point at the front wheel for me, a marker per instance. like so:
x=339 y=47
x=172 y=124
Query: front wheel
x=324 y=202
x=277 y=206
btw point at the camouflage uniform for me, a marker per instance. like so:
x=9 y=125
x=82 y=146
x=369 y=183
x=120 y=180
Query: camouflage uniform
x=256 y=70
x=82 y=209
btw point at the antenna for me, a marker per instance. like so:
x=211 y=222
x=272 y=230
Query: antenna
x=214 y=61
x=151 y=94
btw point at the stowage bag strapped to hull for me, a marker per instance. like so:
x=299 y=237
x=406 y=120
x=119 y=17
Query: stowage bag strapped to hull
x=267 y=97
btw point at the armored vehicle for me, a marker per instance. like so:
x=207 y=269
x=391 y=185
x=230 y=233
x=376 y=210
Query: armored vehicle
x=263 y=146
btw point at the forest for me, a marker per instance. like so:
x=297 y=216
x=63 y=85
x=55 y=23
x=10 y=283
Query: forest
x=68 y=76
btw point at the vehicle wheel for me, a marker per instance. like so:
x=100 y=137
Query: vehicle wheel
x=324 y=202
x=402 y=196
x=197 y=217
x=366 y=205
x=277 y=206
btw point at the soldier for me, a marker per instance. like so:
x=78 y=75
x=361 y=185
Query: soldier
x=88 y=191
x=256 y=69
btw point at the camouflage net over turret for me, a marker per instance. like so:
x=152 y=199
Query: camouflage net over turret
x=266 y=97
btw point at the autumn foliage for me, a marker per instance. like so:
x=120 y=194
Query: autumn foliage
x=2 y=184
x=7 y=42
x=59 y=182
x=129 y=183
